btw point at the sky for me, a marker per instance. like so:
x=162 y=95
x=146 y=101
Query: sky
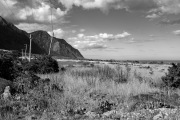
x=104 y=29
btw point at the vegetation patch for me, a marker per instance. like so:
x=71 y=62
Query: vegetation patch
x=172 y=79
x=41 y=65
x=41 y=91
x=9 y=68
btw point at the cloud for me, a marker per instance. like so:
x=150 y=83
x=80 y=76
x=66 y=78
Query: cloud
x=105 y=36
x=165 y=7
x=135 y=41
x=24 y=9
x=155 y=6
x=83 y=42
x=123 y=35
x=80 y=35
x=153 y=36
x=176 y=32
x=152 y=8
x=170 y=22
x=31 y=11
x=153 y=16
x=105 y=5
x=32 y=15
x=86 y=43
x=110 y=37
x=58 y=33
x=131 y=41
x=168 y=6
x=82 y=30
x=93 y=46
x=32 y=26
x=113 y=49
x=73 y=31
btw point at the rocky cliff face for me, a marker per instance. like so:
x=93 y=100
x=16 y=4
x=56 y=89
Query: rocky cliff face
x=59 y=46
x=12 y=38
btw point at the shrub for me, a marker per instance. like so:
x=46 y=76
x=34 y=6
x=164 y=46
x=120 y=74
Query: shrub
x=26 y=82
x=105 y=72
x=8 y=66
x=42 y=65
x=121 y=77
x=14 y=54
x=172 y=79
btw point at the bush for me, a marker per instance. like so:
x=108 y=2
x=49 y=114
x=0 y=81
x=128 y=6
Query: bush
x=42 y=65
x=8 y=66
x=172 y=79
x=26 y=82
x=106 y=72
x=121 y=76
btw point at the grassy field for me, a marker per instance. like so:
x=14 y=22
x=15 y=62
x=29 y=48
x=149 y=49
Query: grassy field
x=94 y=90
x=87 y=87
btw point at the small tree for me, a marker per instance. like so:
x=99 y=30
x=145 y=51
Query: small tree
x=172 y=79
x=8 y=66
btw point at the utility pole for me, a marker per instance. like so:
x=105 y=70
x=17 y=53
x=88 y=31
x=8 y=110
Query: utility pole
x=52 y=30
x=25 y=50
x=51 y=43
x=30 y=49
x=22 y=54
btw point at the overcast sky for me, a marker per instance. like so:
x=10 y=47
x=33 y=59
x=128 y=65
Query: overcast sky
x=104 y=29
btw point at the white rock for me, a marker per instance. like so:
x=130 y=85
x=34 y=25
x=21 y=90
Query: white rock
x=91 y=114
x=108 y=114
x=158 y=116
x=6 y=93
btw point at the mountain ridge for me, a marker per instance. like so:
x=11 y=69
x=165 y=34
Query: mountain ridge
x=13 y=38
x=42 y=38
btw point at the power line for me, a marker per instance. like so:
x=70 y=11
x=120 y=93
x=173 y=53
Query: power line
x=52 y=30
x=30 y=34
x=2 y=4
x=13 y=15
x=51 y=16
x=8 y=7
x=30 y=38
x=30 y=46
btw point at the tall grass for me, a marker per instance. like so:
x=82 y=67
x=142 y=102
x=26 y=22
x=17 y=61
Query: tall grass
x=104 y=79
x=80 y=83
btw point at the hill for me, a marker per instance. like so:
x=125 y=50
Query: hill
x=12 y=38
x=59 y=46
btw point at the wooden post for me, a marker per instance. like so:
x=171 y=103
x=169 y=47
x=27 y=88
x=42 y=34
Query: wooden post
x=22 y=54
x=25 y=50
x=30 y=48
x=51 y=43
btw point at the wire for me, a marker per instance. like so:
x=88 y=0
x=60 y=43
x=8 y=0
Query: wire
x=32 y=13
x=8 y=7
x=51 y=20
x=52 y=30
x=2 y=4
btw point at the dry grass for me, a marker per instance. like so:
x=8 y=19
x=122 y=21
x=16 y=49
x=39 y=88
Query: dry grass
x=87 y=87
x=79 y=83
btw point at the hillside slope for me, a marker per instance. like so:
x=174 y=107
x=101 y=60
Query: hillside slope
x=59 y=46
x=12 y=38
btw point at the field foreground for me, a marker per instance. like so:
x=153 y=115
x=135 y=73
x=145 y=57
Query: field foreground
x=87 y=90
x=121 y=91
